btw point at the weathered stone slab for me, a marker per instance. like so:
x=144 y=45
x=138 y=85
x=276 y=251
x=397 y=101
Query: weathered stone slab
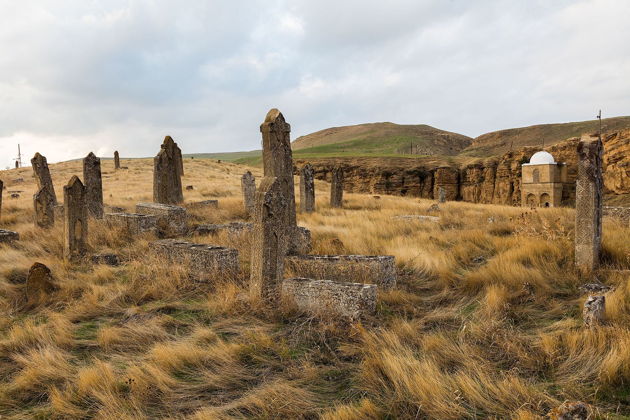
x=588 y=204
x=93 y=185
x=248 y=186
x=39 y=284
x=371 y=269
x=203 y=261
x=307 y=189
x=167 y=173
x=232 y=228
x=594 y=311
x=42 y=174
x=44 y=205
x=201 y=204
x=133 y=223
x=75 y=219
x=336 y=188
x=351 y=300
x=7 y=236
x=116 y=160
x=171 y=220
x=420 y=217
x=106 y=259
x=269 y=240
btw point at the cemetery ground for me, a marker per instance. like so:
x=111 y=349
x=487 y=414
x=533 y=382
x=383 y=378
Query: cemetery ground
x=485 y=320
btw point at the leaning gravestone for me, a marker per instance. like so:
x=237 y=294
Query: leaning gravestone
x=248 y=186
x=269 y=240
x=588 y=204
x=336 y=188
x=167 y=171
x=307 y=189
x=93 y=185
x=44 y=208
x=75 y=218
x=42 y=174
x=116 y=160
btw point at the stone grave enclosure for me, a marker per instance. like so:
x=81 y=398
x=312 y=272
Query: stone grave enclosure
x=203 y=261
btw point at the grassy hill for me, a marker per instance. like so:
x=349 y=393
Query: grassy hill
x=499 y=142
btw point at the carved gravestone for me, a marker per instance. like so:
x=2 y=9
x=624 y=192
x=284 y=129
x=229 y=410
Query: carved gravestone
x=1 y=190
x=307 y=189
x=594 y=311
x=248 y=186
x=588 y=204
x=44 y=208
x=93 y=185
x=116 y=160
x=75 y=219
x=336 y=188
x=42 y=174
x=167 y=171
x=39 y=284
x=441 y=195
x=269 y=240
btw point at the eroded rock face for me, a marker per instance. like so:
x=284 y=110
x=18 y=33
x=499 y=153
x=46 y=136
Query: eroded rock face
x=42 y=174
x=617 y=162
x=93 y=185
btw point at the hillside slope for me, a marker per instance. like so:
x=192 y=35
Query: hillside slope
x=498 y=142
x=382 y=139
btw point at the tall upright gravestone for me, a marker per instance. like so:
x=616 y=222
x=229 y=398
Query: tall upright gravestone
x=278 y=162
x=93 y=185
x=42 y=174
x=307 y=189
x=1 y=190
x=116 y=160
x=167 y=172
x=248 y=186
x=336 y=188
x=75 y=228
x=44 y=208
x=270 y=241
x=588 y=204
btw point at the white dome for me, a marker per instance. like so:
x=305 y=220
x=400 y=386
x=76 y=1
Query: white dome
x=542 y=158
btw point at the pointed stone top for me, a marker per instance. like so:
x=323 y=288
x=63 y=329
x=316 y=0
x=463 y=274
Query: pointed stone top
x=38 y=156
x=168 y=140
x=74 y=181
x=91 y=155
x=273 y=115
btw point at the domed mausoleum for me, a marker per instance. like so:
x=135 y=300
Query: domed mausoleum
x=542 y=181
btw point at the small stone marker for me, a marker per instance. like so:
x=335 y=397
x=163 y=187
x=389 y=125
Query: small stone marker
x=204 y=261
x=171 y=220
x=167 y=172
x=441 y=195
x=327 y=297
x=248 y=186
x=594 y=311
x=588 y=204
x=75 y=218
x=39 y=284
x=7 y=236
x=93 y=185
x=44 y=208
x=106 y=259
x=269 y=240
x=132 y=223
x=307 y=189
x=42 y=174
x=116 y=160
x=336 y=188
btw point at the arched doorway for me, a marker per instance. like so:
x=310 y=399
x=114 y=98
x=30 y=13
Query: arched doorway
x=531 y=200
x=545 y=200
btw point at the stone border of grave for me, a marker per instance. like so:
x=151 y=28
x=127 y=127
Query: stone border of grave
x=171 y=220
x=133 y=223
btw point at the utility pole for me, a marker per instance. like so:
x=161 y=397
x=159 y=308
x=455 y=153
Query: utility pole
x=18 y=160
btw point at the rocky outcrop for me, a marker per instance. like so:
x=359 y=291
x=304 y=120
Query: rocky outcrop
x=494 y=180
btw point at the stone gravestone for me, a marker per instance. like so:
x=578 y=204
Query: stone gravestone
x=588 y=204
x=116 y=160
x=39 y=284
x=336 y=188
x=248 y=186
x=441 y=195
x=42 y=174
x=75 y=219
x=93 y=185
x=307 y=189
x=44 y=208
x=594 y=311
x=167 y=170
x=269 y=240
x=1 y=190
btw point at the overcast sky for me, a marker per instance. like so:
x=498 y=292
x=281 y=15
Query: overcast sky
x=79 y=75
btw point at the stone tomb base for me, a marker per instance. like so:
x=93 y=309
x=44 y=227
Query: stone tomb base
x=133 y=223
x=232 y=228
x=203 y=204
x=7 y=236
x=203 y=261
x=350 y=300
x=171 y=220
x=378 y=269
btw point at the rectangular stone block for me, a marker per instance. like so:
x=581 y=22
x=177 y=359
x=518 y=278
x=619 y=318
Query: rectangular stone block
x=372 y=269
x=133 y=223
x=350 y=300
x=202 y=204
x=233 y=228
x=171 y=220
x=203 y=261
x=7 y=236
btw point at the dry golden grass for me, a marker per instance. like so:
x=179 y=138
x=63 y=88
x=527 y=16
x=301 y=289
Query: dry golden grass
x=485 y=321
